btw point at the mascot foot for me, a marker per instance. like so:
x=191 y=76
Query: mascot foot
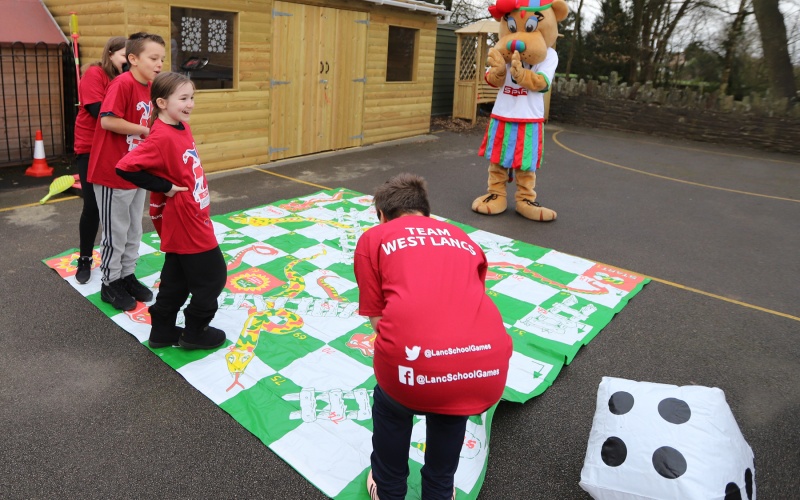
x=533 y=211
x=490 y=204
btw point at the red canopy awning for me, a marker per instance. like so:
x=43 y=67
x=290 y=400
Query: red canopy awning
x=28 y=21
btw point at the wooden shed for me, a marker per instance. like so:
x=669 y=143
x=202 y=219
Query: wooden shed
x=281 y=79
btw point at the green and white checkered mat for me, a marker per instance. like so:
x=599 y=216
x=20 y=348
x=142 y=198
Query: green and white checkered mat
x=296 y=370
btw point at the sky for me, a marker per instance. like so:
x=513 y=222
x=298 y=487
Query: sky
x=713 y=24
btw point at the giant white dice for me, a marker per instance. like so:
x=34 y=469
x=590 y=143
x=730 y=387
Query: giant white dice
x=657 y=441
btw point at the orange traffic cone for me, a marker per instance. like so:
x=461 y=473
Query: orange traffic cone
x=40 y=168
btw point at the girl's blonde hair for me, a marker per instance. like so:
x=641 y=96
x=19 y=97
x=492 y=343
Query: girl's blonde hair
x=113 y=44
x=164 y=85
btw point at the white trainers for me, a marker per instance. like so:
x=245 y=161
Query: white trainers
x=372 y=488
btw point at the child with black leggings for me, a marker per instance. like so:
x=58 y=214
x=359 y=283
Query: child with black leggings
x=167 y=164
x=93 y=86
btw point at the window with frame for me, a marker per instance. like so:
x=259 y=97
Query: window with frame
x=401 y=58
x=202 y=46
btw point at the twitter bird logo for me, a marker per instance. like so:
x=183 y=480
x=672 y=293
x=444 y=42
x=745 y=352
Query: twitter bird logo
x=413 y=353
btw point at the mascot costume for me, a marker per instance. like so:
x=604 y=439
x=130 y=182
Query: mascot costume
x=521 y=66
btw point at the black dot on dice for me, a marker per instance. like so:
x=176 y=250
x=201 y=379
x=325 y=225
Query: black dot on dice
x=669 y=462
x=620 y=403
x=674 y=411
x=732 y=492
x=614 y=452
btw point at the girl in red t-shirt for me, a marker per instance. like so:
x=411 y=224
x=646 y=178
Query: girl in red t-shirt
x=93 y=86
x=167 y=164
x=123 y=124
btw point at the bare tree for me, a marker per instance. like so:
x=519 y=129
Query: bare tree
x=464 y=12
x=731 y=42
x=776 y=50
x=656 y=23
x=576 y=38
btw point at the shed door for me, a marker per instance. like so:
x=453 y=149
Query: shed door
x=318 y=77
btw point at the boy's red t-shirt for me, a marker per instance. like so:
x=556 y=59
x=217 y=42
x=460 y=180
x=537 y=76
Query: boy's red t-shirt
x=92 y=89
x=441 y=345
x=185 y=223
x=128 y=99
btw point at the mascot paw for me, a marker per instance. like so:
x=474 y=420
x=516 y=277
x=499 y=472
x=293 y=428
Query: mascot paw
x=533 y=211
x=517 y=70
x=490 y=204
x=496 y=62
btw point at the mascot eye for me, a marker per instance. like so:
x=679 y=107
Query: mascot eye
x=531 y=24
x=512 y=24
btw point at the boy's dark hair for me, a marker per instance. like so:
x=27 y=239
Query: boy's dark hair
x=164 y=85
x=137 y=41
x=402 y=194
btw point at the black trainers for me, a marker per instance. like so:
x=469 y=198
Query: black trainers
x=84 y=273
x=115 y=294
x=208 y=338
x=136 y=289
x=157 y=341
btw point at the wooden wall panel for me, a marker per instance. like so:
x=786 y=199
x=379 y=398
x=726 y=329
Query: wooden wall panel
x=398 y=109
x=232 y=127
x=97 y=22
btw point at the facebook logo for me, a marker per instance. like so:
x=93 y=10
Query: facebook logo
x=406 y=375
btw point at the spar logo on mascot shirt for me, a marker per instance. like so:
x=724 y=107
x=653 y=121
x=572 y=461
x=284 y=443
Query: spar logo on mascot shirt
x=200 y=189
x=146 y=108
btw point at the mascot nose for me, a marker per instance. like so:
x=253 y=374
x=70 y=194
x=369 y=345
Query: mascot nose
x=516 y=45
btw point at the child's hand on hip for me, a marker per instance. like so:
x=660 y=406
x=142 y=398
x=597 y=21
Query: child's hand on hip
x=175 y=189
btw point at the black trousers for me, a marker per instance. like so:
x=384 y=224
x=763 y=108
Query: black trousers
x=202 y=275
x=90 y=215
x=391 y=439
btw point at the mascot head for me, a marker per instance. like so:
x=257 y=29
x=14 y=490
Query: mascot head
x=528 y=26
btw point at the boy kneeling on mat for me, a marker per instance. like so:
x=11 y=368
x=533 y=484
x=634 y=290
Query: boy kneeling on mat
x=441 y=348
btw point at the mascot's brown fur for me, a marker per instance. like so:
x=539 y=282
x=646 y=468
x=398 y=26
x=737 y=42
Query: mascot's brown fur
x=521 y=65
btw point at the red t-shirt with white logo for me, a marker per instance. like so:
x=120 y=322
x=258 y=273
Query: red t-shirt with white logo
x=128 y=99
x=169 y=152
x=92 y=89
x=441 y=344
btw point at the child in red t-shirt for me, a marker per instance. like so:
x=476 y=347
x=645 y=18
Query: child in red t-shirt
x=123 y=124
x=167 y=164
x=441 y=348
x=93 y=86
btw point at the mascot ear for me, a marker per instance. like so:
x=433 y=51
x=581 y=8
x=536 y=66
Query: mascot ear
x=560 y=9
x=502 y=7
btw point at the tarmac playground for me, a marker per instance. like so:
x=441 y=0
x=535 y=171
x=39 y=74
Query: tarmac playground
x=87 y=413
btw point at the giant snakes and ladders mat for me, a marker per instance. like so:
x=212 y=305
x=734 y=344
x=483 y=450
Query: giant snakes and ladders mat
x=296 y=370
